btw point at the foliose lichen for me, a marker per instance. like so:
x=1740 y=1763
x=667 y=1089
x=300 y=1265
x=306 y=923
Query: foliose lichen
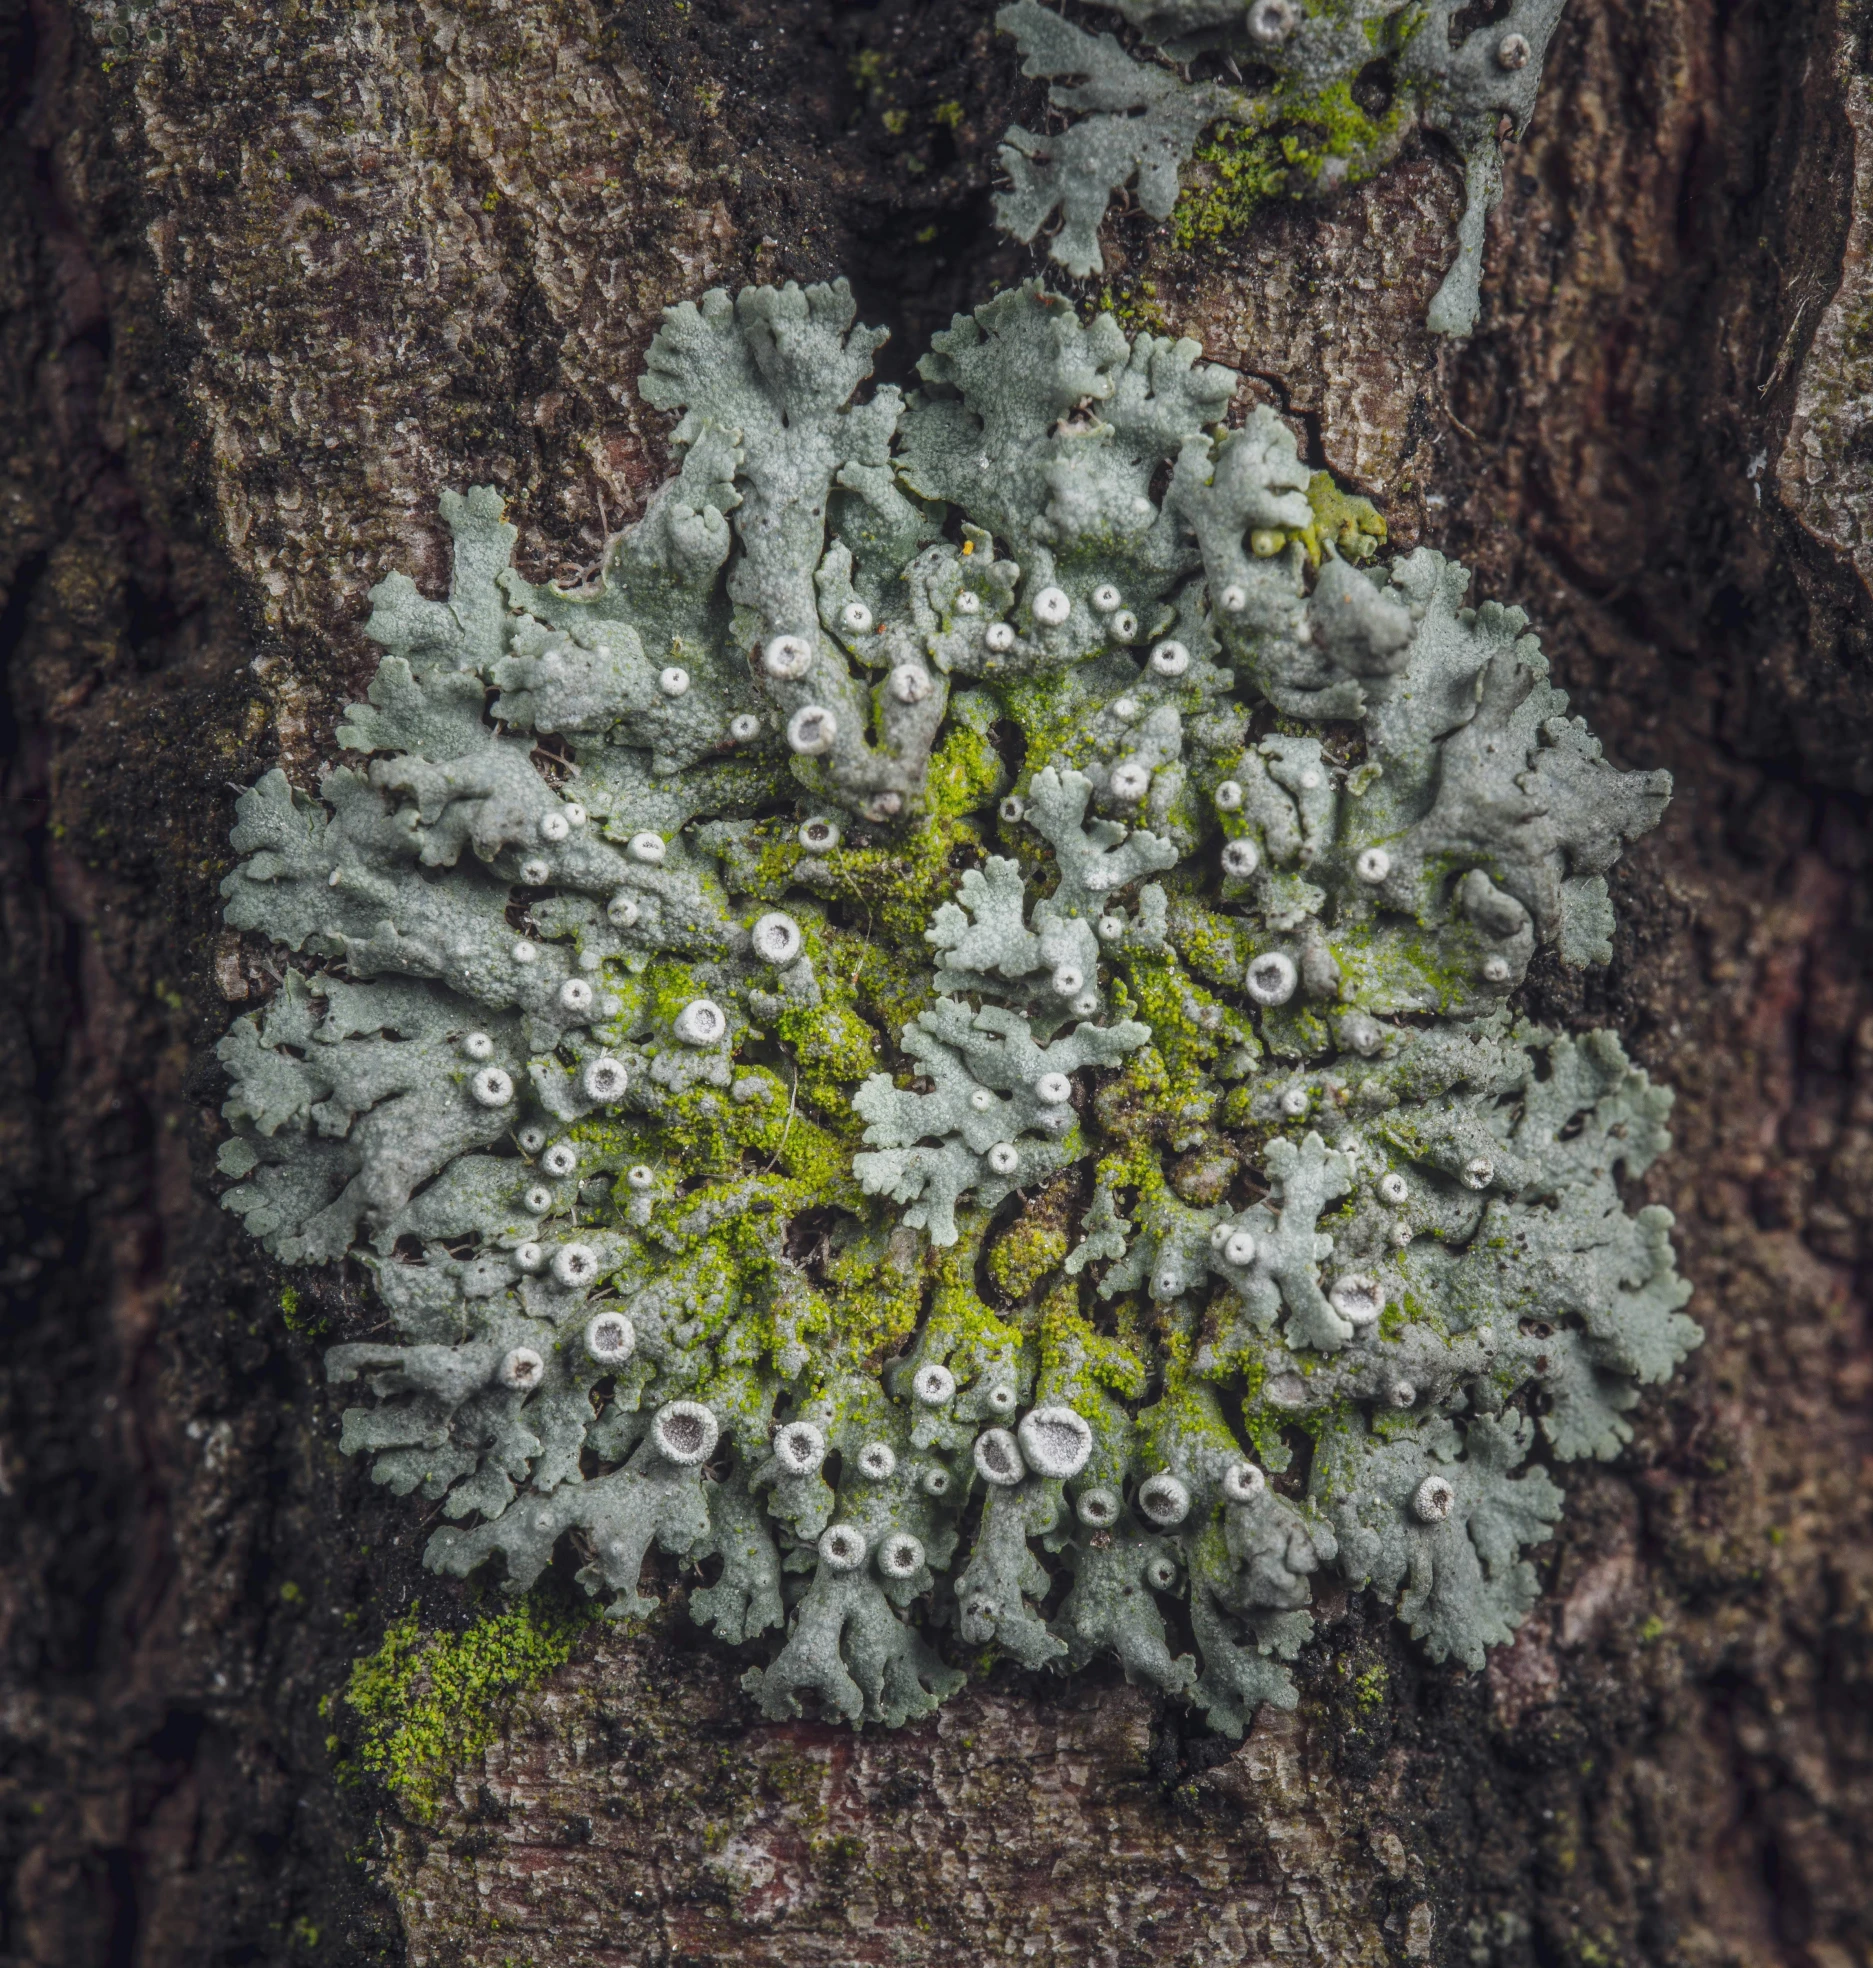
x=939 y=1043
x=1324 y=90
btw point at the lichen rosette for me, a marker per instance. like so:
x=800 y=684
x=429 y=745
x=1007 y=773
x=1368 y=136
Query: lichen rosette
x=940 y=1044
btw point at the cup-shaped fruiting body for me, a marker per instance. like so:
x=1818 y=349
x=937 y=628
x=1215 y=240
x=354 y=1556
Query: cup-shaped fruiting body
x=1164 y=1499
x=1393 y=1188
x=673 y=681
x=1052 y=607
x=641 y=1177
x=1272 y=21
x=610 y=1338
x=1004 y=1158
x=1373 y=865
x=1294 y=1102
x=622 y=911
x=1243 y=1482
x=878 y=1460
x=1478 y=1173
x=537 y=1200
x=1106 y=598
x=842 y=1548
x=575 y=1266
x=701 y=1022
x=1170 y=659
x=812 y=731
x=855 y=618
x=900 y=1556
x=1434 y=1499
x=818 y=835
x=493 y=1086
x=1239 y=1247
x=968 y=602
x=535 y=872
x=1403 y=1394
x=1161 y=1571
x=1067 y=980
x=787 y=658
x=1270 y=978
x=936 y=1482
x=685 y=1433
x=1240 y=859
x=524 y=952
x=1513 y=52
x=776 y=939
x=799 y=1447
x=554 y=827
x=1228 y=797
x=1097 y=1508
x=530 y=1256
x=933 y=1385
x=1053 y=1089
x=575 y=995
x=532 y=1138
x=604 y=1079
x=477 y=1045
x=1130 y=782
x=998 y=1458
x=560 y=1159
x=910 y=683
x=1359 y=1298
x=1001 y=1399
x=1000 y=637
x=521 y=1369
x=649 y=848
x=981 y=1100
x=1124 y=625
x=744 y=727
x=1055 y=1441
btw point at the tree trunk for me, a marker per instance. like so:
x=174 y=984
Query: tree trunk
x=272 y=279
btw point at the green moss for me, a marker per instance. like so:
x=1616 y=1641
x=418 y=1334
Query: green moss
x=1035 y=1244
x=1236 y=173
x=426 y=1703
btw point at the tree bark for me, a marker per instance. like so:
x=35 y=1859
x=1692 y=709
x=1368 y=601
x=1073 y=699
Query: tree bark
x=272 y=278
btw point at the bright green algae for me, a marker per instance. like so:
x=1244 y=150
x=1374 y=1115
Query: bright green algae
x=939 y=1045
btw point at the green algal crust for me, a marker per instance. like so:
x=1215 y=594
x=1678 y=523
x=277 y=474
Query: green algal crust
x=423 y=1704
x=1303 y=96
x=921 y=1171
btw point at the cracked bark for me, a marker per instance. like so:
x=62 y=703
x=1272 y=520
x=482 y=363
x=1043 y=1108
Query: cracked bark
x=273 y=282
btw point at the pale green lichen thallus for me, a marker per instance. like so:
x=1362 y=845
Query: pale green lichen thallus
x=947 y=1028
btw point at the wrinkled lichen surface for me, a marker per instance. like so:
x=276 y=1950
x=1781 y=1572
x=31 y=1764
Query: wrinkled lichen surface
x=1306 y=96
x=937 y=1044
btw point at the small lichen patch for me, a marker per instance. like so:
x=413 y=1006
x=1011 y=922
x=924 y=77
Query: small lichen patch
x=1299 y=98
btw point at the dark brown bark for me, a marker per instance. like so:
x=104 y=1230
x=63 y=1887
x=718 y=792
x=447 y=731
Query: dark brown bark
x=269 y=286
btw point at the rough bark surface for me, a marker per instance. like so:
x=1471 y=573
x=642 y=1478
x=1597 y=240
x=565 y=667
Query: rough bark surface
x=271 y=277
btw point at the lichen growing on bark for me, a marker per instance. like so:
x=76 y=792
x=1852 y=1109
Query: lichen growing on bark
x=938 y=1045
x=1304 y=96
